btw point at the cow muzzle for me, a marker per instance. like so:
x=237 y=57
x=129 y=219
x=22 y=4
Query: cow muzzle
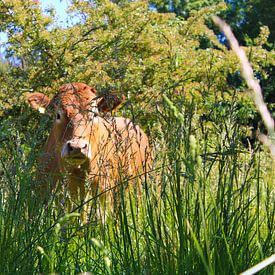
x=75 y=151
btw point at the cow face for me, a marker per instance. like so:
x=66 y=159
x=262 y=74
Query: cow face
x=75 y=121
x=75 y=129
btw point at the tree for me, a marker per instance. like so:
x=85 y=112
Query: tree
x=245 y=16
x=183 y=8
x=248 y=16
x=125 y=48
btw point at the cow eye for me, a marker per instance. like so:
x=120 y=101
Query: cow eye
x=58 y=116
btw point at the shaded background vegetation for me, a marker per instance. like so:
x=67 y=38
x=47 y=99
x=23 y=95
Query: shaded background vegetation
x=183 y=86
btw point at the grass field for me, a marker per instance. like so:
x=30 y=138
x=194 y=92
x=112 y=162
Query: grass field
x=215 y=213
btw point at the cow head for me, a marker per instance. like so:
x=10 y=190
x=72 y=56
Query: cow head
x=76 y=108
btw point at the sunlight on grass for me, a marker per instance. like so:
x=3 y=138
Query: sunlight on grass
x=214 y=212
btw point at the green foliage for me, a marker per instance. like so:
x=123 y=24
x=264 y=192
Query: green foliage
x=252 y=22
x=128 y=49
x=248 y=16
x=245 y=16
x=215 y=211
x=183 y=8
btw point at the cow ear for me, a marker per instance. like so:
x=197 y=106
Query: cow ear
x=110 y=102
x=38 y=101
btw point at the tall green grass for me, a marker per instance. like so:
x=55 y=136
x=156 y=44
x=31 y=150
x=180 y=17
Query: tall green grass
x=214 y=213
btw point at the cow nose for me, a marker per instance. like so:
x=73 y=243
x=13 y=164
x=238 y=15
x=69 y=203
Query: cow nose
x=76 y=146
x=75 y=149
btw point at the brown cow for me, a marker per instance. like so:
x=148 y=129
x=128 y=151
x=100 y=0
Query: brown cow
x=93 y=152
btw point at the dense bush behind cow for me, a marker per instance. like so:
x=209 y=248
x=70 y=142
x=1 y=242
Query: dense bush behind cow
x=93 y=152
